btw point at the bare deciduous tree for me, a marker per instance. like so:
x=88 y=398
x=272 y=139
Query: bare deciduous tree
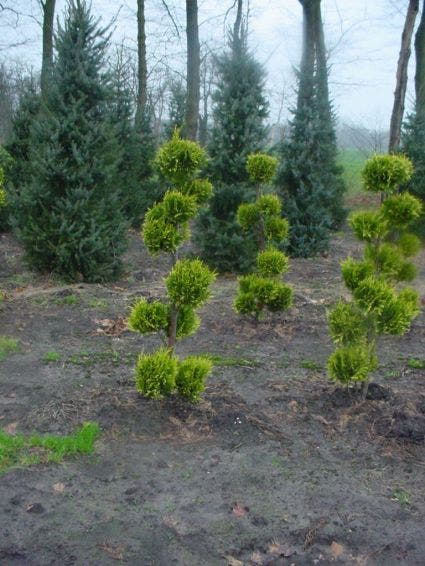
x=142 y=69
x=420 y=65
x=193 y=69
x=401 y=77
x=48 y=9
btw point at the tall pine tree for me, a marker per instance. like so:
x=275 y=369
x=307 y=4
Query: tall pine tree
x=309 y=178
x=239 y=111
x=68 y=214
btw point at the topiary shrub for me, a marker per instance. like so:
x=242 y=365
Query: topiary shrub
x=165 y=228
x=263 y=289
x=377 y=307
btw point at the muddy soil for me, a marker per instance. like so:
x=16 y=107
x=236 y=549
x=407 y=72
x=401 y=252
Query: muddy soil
x=274 y=466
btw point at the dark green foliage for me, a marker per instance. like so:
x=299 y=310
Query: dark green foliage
x=239 y=111
x=136 y=149
x=176 y=107
x=156 y=373
x=191 y=375
x=166 y=226
x=68 y=213
x=413 y=144
x=219 y=237
x=309 y=179
x=377 y=307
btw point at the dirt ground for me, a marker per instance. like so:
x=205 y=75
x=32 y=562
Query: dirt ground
x=274 y=466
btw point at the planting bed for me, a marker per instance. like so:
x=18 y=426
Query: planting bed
x=274 y=466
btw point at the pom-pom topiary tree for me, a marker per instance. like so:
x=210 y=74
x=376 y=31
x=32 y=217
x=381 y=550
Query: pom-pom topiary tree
x=377 y=307
x=165 y=228
x=263 y=289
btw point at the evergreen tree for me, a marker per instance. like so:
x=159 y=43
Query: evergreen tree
x=69 y=215
x=176 y=108
x=309 y=179
x=137 y=149
x=239 y=111
x=413 y=143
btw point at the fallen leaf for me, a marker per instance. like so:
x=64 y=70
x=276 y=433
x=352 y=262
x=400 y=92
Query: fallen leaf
x=115 y=552
x=337 y=550
x=231 y=561
x=111 y=327
x=239 y=510
x=257 y=558
x=11 y=428
x=59 y=487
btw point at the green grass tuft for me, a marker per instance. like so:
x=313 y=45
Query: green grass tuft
x=229 y=361
x=310 y=364
x=415 y=363
x=50 y=357
x=7 y=346
x=17 y=451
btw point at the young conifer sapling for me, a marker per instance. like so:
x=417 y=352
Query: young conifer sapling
x=264 y=289
x=378 y=305
x=165 y=228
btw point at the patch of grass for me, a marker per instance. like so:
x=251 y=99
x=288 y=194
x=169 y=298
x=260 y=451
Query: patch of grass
x=310 y=364
x=18 y=451
x=98 y=304
x=229 y=361
x=89 y=359
x=7 y=346
x=402 y=496
x=68 y=300
x=391 y=374
x=351 y=161
x=415 y=363
x=51 y=357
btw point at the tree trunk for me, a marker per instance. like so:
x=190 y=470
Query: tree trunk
x=48 y=7
x=305 y=90
x=321 y=65
x=142 y=70
x=401 y=77
x=237 y=28
x=420 y=66
x=193 y=65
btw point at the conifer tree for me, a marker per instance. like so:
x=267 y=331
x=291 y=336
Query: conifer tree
x=377 y=306
x=68 y=215
x=136 y=148
x=263 y=289
x=239 y=111
x=165 y=228
x=309 y=179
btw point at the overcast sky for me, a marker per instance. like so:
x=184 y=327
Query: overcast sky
x=363 y=38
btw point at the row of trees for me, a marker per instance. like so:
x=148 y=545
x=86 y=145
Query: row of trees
x=83 y=151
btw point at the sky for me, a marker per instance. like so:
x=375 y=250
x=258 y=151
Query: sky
x=362 y=36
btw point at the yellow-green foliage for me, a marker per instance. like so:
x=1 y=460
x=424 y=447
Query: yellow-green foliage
x=187 y=321
x=261 y=167
x=354 y=272
x=257 y=293
x=188 y=282
x=351 y=364
x=263 y=290
x=156 y=373
x=191 y=376
x=347 y=324
x=368 y=226
x=161 y=235
x=165 y=228
x=385 y=173
x=272 y=262
x=148 y=317
x=377 y=307
x=200 y=189
x=178 y=160
x=401 y=210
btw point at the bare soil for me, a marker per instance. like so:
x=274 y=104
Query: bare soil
x=275 y=465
